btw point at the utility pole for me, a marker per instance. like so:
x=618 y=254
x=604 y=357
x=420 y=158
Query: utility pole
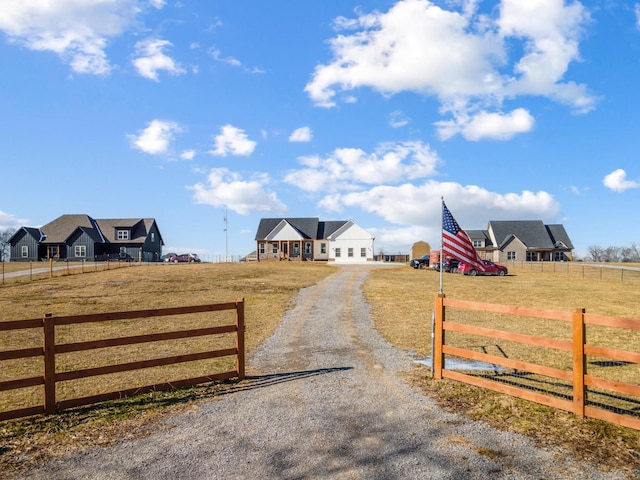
x=226 y=237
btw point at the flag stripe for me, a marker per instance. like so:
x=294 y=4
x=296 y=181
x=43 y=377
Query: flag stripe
x=456 y=242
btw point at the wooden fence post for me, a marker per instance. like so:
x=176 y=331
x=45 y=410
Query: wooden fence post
x=49 y=364
x=437 y=357
x=240 y=362
x=579 y=362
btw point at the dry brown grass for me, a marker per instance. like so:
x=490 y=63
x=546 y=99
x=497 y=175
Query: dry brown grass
x=268 y=290
x=401 y=304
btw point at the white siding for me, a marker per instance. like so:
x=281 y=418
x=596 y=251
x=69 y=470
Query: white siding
x=351 y=241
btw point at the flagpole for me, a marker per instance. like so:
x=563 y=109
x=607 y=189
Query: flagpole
x=441 y=239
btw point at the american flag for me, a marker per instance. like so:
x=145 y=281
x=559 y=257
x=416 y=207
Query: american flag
x=456 y=242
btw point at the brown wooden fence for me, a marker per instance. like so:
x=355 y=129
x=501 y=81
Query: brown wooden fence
x=580 y=383
x=48 y=351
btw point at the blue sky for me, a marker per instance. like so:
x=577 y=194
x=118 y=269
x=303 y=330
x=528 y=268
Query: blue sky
x=370 y=111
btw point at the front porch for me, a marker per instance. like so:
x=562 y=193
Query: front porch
x=293 y=250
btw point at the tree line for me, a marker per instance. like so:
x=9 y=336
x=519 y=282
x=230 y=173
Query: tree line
x=5 y=247
x=596 y=253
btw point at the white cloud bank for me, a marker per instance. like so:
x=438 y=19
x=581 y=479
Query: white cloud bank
x=344 y=168
x=617 y=181
x=227 y=189
x=76 y=30
x=462 y=58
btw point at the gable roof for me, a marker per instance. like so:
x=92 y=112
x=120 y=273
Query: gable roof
x=307 y=227
x=559 y=235
x=60 y=229
x=532 y=233
x=330 y=228
x=139 y=228
x=31 y=231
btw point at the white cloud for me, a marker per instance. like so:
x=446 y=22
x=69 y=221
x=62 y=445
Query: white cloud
x=398 y=119
x=409 y=48
x=156 y=138
x=188 y=155
x=150 y=59
x=472 y=206
x=227 y=189
x=617 y=181
x=488 y=126
x=302 y=134
x=78 y=31
x=345 y=168
x=217 y=55
x=8 y=220
x=233 y=141
x=636 y=9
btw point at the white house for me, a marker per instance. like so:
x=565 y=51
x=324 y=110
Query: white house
x=313 y=240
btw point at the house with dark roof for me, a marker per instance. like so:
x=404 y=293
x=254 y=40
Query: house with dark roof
x=80 y=237
x=313 y=240
x=522 y=240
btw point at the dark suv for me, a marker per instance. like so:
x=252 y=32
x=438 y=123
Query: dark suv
x=449 y=265
x=420 y=262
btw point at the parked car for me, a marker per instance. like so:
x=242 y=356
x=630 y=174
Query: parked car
x=449 y=265
x=167 y=256
x=490 y=268
x=184 y=258
x=420 y=262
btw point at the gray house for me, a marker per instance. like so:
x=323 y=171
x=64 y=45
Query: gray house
x=80 y=237
x=522 y=240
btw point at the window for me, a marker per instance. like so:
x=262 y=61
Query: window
x=261 y=248
x=532 y=256
x=153 y=237
x=296 y=249
x=81 y=250
x=307 y=248
x=478 y=243
x=350 y=252
x=338 y=252
x=25 y=251
x=122 y=234
x=559 y=256
x=274 y=248
x=511 y=255
x=323 y=248
x=363 y=252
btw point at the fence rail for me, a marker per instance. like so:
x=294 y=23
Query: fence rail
x=48 y=351
x=576 y=385
x=595 y=271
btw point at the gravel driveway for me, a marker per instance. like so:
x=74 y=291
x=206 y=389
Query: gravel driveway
x=323 y=401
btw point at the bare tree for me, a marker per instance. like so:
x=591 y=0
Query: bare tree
x=5 y=236
x=631 y=254
x=612 y=254
x=595 y=253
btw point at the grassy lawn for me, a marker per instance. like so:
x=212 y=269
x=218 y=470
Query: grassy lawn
x=401 y=302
